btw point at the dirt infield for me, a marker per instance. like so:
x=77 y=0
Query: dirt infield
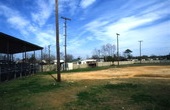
x=128 y=72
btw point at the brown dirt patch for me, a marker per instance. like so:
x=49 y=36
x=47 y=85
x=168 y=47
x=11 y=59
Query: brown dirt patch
x=129 y=72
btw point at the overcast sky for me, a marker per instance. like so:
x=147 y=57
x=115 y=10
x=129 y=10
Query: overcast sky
x=93 y=24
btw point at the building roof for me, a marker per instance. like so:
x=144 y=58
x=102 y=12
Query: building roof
x=12 y=45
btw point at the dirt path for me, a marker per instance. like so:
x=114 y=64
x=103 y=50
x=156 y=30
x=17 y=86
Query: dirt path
x=142 y=71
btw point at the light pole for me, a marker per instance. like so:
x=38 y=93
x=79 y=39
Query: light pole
x=117 y=48
x=49 y=53
x=140 y=50
x=99 y=55
x=57 y=43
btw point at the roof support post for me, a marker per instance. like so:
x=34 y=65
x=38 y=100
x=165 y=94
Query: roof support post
x=0 y=73
x=8 y=65
x=41 y=61
x=34 y=66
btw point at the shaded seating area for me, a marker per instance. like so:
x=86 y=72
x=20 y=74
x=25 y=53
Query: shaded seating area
x=10 y=69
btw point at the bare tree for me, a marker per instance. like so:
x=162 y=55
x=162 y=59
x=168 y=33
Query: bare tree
x=105 y=51
x=108 y=50
x=69 y=57
x=96 y=53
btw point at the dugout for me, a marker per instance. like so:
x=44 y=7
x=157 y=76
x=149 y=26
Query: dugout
x=9 y=46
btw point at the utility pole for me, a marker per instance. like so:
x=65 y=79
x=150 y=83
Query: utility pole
x=117 y=48
x=99 y=55
x=57 y=43
x=65 y=25
x=140 y=50
x=49 y=53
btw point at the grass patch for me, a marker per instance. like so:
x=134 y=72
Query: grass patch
x=88 y=69
x=121 y=86
x=21 y=93
x=129 y=95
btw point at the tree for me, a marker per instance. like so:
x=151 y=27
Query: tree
x=108 y=50
x=109 y=58
x=95 y=57
x=96 y=53
x=168 y=56
x=69 y=57
x=127 y=53
x=32 y=59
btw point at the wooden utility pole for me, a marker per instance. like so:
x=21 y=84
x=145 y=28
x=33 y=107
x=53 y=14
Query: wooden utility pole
x=57 y=43
x=65 y=25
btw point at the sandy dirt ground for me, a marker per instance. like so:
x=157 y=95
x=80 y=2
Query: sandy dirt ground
x=127 y=72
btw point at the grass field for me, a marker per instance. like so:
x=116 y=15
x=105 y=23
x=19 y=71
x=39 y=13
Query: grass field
x=147 y=89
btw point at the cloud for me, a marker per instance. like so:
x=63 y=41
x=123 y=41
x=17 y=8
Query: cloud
x=106 y=27
x=14 y=19
x=6 y=11
x=43 y=11
x=141 y=25
x=19 y=23
x=42 y=36
x=86 y=3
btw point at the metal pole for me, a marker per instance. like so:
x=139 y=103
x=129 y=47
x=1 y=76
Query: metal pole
x=117 y=48
x=65 y=25
x=57 y=43
x=140 y=51
x=49 y=53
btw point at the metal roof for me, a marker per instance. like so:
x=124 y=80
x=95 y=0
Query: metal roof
x=12 y=45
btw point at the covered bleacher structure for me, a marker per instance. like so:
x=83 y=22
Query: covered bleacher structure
x=10 y=69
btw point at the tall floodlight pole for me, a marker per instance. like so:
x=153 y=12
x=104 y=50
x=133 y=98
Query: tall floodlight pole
x=117 y=48
x=49 y=53
x=140 y=50
x=57 y=43
x=65 y=25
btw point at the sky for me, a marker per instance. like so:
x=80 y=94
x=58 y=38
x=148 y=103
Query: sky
x=93 y=23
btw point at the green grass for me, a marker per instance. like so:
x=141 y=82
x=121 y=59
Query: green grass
x=88 y=69
x=131 y=95
x=19 y=94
